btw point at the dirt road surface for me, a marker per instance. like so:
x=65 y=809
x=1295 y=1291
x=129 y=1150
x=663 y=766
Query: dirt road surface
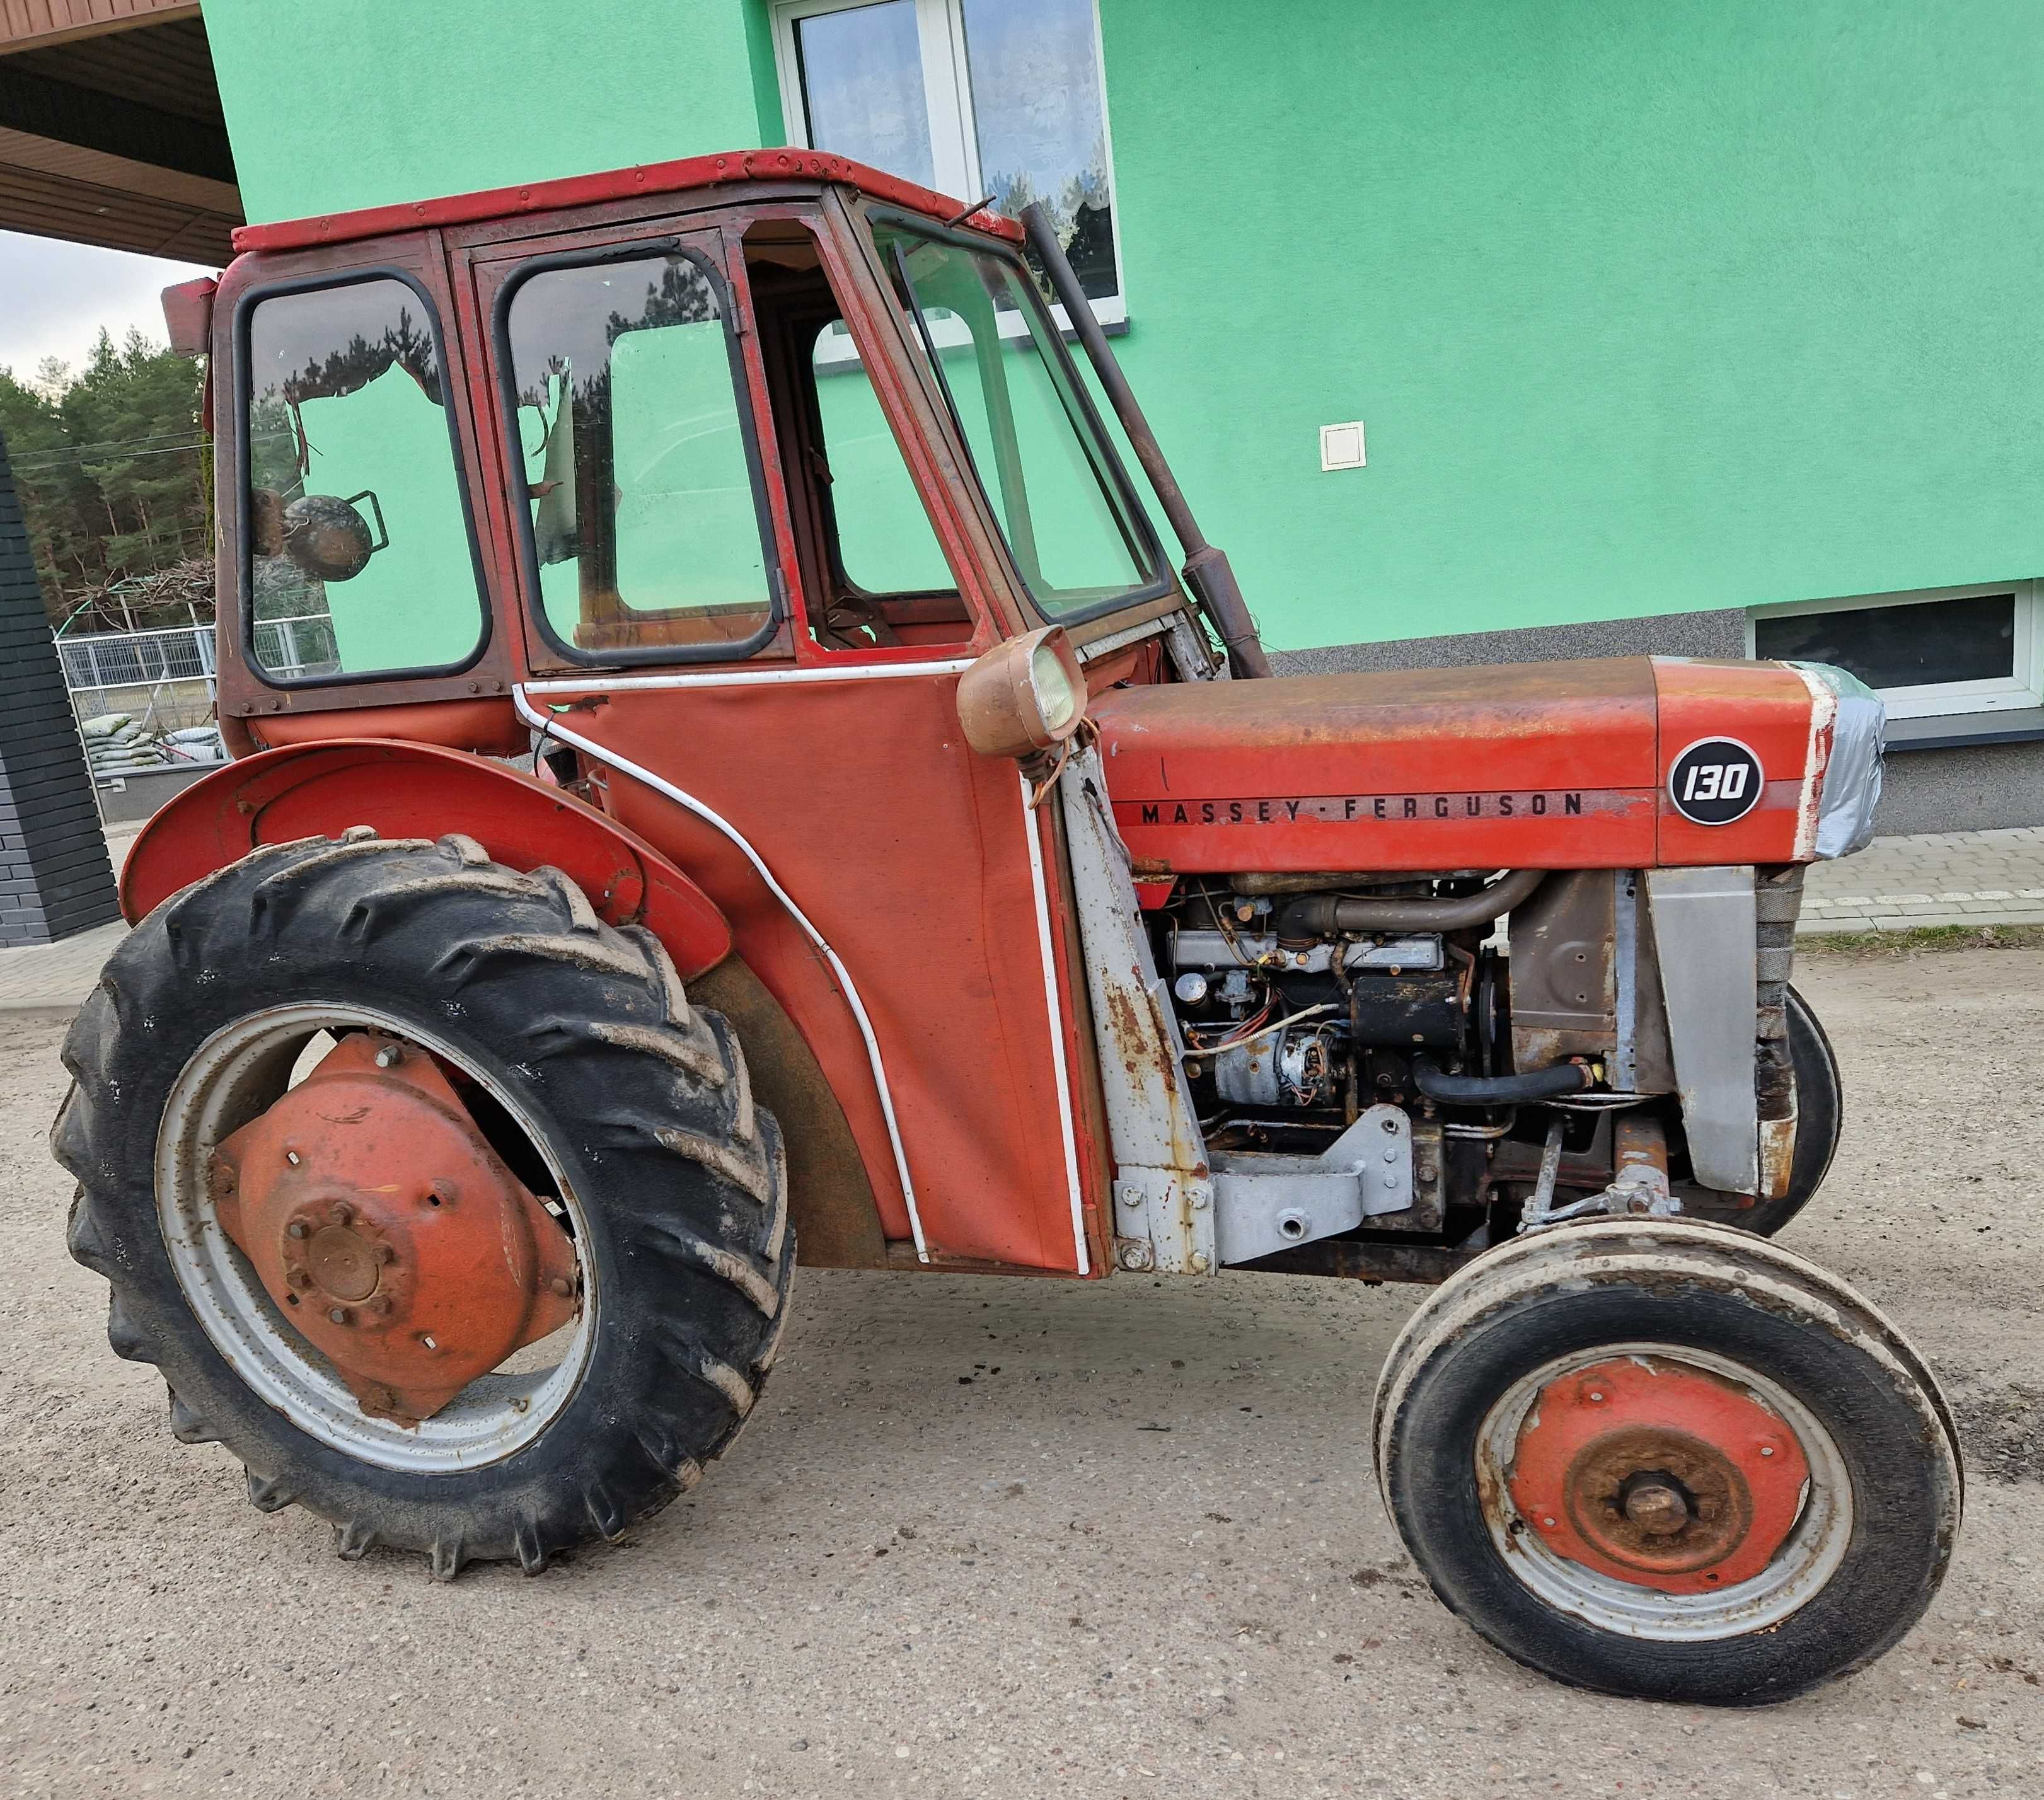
x=1013 y=1538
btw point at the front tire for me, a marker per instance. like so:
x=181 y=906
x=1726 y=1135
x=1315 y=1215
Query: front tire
x=1820 y=1112
x=1671 y=1461
x=589 y=1073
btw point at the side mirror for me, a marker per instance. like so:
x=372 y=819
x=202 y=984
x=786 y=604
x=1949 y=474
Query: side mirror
x=328 y=539
x=188 y=315
x=1025 y=698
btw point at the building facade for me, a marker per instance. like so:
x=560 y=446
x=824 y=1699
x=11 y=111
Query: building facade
x=1478 y=329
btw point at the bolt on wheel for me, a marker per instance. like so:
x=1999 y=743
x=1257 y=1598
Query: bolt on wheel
x=1670 y=1460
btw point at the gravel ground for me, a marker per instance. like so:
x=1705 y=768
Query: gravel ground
x=1012 y=1538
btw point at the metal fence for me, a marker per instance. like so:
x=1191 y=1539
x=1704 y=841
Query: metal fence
x=137 y=659
x=167 y=679
x=294 y=648
x=164 y=679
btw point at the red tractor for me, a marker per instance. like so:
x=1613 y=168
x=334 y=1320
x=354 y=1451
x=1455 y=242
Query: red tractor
x=724 y=762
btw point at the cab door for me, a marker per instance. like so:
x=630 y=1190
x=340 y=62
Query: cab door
x=889 y=888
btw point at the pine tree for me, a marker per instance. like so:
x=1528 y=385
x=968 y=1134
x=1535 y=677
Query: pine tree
x=113 y=477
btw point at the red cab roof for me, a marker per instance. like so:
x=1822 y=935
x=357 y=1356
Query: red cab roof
x=618 y=184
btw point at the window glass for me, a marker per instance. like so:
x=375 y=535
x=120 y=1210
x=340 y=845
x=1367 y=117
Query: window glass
x=885 y=540
x=1019 y=115
x=646 y=527
x=1078 y=540
x=360 y=561
x=1969 y=639
x=863 y=87
x=1040 y=126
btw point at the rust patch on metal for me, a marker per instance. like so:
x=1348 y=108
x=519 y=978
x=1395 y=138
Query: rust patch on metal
x=389 y=1232
x=1658 y=1474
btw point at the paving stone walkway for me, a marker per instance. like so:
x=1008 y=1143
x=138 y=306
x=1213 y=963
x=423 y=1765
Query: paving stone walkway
x=1940 y=878
x=1945 y=878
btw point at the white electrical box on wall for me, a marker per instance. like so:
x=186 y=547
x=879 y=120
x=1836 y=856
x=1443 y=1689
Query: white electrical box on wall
x=1341 y=446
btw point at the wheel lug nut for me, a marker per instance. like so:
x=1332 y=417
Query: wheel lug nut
x=386 y=1252
x=301 y=1279
x=382 y=1305
x=340 y=1212
x=295 y=1228
x=389 y=1056
x=340 y=1315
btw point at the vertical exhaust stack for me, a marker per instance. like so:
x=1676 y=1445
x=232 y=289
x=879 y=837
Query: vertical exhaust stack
x=1207 y=572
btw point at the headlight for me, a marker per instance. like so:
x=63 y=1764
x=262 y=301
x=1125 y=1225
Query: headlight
x=1024 y=696
x=1057 y=693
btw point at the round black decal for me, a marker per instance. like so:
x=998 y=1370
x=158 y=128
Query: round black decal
x=1715 y=781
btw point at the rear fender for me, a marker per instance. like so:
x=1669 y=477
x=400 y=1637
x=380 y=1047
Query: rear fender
x=413 y=790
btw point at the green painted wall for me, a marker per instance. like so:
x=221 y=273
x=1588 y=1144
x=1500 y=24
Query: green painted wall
x=360 y=102
x=1647 y=308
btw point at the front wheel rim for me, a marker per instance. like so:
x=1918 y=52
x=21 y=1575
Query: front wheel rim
x=232 y=1077
x=1804 y=1563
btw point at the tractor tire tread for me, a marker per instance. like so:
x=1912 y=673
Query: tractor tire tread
x=474 y=952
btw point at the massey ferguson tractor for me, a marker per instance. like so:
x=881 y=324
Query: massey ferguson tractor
x=723 y=762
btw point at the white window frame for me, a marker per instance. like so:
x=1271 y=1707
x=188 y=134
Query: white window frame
x=2023 y=687
x=954 y=138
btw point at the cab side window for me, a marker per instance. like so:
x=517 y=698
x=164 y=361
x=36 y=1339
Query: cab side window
x=361 y=560
x=641 y=487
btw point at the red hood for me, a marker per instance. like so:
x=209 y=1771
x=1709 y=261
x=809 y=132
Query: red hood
x=1531 y=765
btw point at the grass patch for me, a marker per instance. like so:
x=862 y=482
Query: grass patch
x=1920 y=938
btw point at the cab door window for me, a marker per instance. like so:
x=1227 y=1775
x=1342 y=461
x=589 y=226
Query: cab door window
x=361 y=558
x=874 y=573
x=886 y=544
x=643 y=525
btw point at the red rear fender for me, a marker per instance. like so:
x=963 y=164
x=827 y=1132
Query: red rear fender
x=410 y=790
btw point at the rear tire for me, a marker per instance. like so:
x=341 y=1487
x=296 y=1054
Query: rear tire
x=639 y=1102
x=1701 y=1310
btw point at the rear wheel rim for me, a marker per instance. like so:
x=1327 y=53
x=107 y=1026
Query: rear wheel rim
x=232 y=1077
x=1807 y=1556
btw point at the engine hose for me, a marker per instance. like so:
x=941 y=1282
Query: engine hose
x=1548 y=1084
x=1314 y=916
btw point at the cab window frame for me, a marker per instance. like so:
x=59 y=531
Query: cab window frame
x=632 y=250
x=244 y=310
x=1162 y=582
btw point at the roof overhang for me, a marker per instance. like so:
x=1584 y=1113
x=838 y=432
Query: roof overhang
x=110 y=128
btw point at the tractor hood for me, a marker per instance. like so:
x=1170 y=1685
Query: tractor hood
x=1627 y=762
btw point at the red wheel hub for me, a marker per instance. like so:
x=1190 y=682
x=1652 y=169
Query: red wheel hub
x=388 y=1231
x=1656 y=1473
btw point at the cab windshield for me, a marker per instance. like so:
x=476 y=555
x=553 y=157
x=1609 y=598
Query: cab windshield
x=1079 y=538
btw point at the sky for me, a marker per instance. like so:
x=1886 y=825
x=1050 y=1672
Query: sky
x=55 y=296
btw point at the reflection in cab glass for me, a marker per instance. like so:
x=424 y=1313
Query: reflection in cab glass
x=359 y=554
x=645 y=527
x=1078 y=542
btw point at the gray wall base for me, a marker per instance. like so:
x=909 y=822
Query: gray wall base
x=1722 y=633
x=1971 y=788
x=141 y=794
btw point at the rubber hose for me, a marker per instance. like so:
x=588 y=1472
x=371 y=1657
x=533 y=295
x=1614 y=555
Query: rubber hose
x=1317 y=916
x=1548 y=1084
